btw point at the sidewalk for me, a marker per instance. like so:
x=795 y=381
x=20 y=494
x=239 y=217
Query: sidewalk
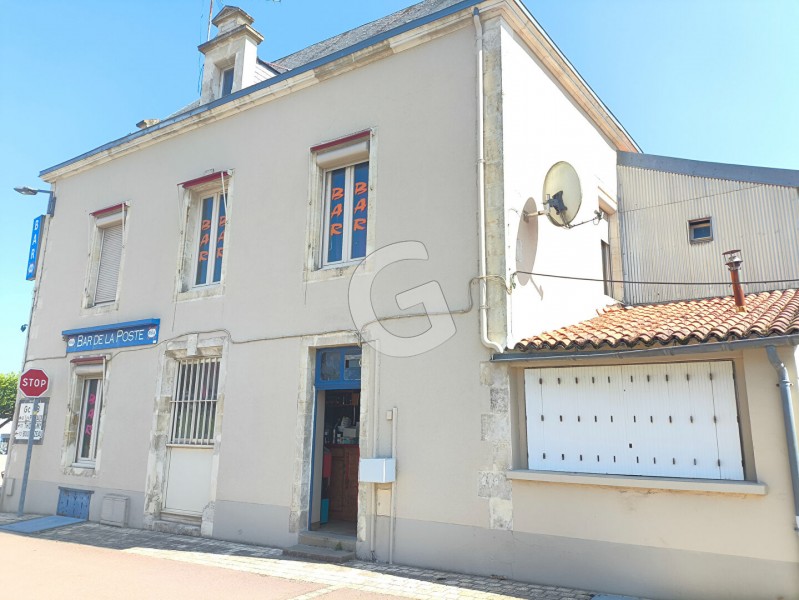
x=365 y=577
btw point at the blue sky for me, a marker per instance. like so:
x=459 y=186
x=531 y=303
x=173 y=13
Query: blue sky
x=703 y=79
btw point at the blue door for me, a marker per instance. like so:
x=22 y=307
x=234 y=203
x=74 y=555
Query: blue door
x=74 y=503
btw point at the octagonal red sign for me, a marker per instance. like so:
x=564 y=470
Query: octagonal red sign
x=34 y=383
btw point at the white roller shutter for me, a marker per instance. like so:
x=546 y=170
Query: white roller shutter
x=667 y=420
x=108 y=266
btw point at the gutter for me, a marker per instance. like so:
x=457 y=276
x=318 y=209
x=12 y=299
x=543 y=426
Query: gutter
x=704 y=348
x=790 y=425
x=269 y=82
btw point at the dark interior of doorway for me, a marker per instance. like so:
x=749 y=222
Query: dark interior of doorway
x=339 y=511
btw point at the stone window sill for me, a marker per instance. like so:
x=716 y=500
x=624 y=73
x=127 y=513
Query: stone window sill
x=751 y=488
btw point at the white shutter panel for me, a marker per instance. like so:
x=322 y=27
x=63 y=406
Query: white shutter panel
x=663 y=420
x=108 y=269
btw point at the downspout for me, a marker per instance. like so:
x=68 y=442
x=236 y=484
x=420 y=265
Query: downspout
x=790 y=424
x=393 y=521
x=478 y=27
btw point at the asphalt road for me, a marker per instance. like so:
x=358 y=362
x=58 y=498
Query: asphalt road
x=39 y=568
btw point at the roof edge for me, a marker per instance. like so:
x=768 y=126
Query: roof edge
x=713 y=170
x=697 y=348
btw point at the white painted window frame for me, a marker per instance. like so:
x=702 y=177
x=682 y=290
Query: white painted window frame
x=218 y=199
x=321 y=163
x=98 y=225
x=82 y=373
x=186 y=271
x=90 y=460
x=346 y=251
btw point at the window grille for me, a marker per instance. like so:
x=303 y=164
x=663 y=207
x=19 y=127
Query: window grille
x=194 y=402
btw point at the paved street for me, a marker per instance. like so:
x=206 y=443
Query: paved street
x=109 y=562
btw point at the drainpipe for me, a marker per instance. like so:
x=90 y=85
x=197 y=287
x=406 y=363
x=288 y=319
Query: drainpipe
x=393 y=520
x=481 y=189
x=790 y=424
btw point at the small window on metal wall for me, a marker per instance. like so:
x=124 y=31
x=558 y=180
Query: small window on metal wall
x=700 y=230
x=194 y=402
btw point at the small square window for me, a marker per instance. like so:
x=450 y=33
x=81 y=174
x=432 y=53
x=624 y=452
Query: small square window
x=700 y=230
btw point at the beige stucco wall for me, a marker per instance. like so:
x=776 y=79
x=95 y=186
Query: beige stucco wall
x=716 y=530
x=424 y=189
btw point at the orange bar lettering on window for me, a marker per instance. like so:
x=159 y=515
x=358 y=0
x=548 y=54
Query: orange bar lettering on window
x=338 y=209
x=219 y=252
x=361 y=206
x=222 y=221
x=206 y=238
x=360 y=188
x=203 y=256
x=335 y=228
x=359 y=225
x=221 y=237
x=338 y=193
x=206 y=224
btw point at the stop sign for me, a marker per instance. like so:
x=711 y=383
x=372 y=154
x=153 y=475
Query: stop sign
x=34 y=383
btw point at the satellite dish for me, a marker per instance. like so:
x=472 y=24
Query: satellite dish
x=562 y=194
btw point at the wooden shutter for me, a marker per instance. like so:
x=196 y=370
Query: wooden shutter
x=665 y=420
x=108 y=268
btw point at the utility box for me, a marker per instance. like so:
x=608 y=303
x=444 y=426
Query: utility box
x=377 y=470
x=114 y=510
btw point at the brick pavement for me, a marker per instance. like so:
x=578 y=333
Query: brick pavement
x=339 y=580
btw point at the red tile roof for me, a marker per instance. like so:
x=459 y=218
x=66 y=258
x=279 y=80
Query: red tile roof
x=706 y=320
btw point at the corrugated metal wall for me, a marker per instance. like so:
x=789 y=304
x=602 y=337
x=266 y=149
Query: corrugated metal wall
x=759 y=219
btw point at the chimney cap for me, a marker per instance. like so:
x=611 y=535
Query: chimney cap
x=733 y=260
x=232 y=12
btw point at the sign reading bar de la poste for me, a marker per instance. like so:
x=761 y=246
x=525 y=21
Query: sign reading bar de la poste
x=118 y=335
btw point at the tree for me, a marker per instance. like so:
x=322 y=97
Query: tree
x=8 y=396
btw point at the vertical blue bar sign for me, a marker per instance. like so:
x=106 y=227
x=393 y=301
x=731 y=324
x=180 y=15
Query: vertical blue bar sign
x=33 y=255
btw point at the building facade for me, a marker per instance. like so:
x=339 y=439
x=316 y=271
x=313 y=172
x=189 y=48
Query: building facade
x=279 y=311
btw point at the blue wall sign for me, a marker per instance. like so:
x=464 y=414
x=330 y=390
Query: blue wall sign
x=119 y=335
x=33 y=255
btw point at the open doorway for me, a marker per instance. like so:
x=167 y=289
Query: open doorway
x=334 y=497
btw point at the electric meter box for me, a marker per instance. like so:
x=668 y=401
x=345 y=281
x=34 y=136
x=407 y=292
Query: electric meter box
x=377 y=470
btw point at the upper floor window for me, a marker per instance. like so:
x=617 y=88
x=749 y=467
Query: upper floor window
x=211 y=239
x=227 y=82
x=105 y=258
x=346 y=214
x=700 y=230
x=203 y=248
x=344 y=167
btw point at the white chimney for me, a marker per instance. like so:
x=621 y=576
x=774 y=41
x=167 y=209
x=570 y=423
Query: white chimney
x=231 y=58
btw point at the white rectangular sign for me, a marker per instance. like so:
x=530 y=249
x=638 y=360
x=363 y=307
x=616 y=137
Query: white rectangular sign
x=22 y=431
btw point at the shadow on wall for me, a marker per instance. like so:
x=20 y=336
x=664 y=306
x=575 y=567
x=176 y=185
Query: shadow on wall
x=527 y=244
